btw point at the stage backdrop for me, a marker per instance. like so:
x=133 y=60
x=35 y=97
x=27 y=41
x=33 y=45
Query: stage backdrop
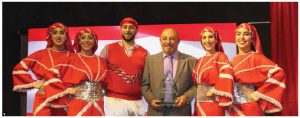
x=147 y=37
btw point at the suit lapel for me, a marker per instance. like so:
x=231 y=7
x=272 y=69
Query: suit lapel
x=180 y=65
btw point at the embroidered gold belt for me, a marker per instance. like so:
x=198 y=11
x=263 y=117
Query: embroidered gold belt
x=89 y=91
x=201 y=92
x=242 y=93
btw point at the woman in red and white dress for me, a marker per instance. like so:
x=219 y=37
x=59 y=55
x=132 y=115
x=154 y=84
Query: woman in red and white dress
x=259 y=82
x=82 y=76
x=213 y=77
x=58 y=48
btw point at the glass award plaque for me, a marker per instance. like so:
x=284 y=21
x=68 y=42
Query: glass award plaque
x=167 y=94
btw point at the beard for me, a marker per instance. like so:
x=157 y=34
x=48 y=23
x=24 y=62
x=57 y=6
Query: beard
x=128 y=39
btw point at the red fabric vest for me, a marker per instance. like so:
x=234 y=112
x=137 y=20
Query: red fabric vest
x=114 y=84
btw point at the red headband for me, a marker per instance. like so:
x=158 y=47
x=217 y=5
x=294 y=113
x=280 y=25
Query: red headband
x=129 y=20
x=216 y=34
x=254 y=34
x=68 y=43
x=76 y=40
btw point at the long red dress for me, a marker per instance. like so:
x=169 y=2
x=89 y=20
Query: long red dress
x=77 y=70
x=39 y=63
x=266 y=79
x=213 y=72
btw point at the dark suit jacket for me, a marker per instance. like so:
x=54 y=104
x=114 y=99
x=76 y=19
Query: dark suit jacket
x=153 y=79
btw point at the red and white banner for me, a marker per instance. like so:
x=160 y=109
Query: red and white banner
x=147 y=37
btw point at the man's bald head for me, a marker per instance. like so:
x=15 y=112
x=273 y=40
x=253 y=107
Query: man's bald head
x=169 y=41
x=169 y=31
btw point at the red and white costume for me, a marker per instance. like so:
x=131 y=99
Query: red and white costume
x=39 y=63
x=124 y=88
x=85 y=73
x=213 y=72
x=124 y=79
x=256 y=74
x=79 y=68
x=123 y=82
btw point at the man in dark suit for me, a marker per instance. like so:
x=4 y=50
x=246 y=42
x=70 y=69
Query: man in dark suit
x=167 y=78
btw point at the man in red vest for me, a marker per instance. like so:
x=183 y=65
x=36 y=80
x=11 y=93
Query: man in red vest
x=125 y=61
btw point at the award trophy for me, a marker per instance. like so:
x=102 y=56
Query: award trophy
x=167 y=94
